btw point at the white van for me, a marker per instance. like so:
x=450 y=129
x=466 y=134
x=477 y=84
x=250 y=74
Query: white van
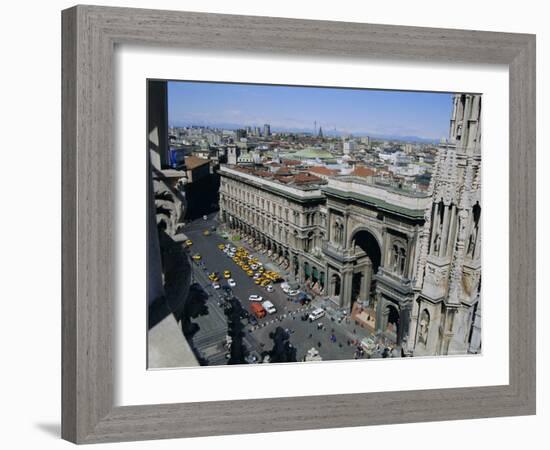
x=269 y=307
x=317 y=313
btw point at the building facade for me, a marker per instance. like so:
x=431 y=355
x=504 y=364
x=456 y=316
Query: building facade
x=285 y=220
x=447 y=314
x=408 y=261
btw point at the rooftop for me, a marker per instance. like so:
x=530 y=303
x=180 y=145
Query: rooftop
x=362 y=171
x=322 y=170
x=310 y=153
x=300 y=186
x=192 y=162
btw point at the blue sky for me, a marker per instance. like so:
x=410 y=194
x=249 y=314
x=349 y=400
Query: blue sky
x=287 y=108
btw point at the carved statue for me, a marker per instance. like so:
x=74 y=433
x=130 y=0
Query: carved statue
x=472 y=242
x=423 y=328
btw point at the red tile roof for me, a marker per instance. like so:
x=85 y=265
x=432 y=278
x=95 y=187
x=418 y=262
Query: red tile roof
x=291 y=162
x=306 y=178
x=362 y=171
x=322 y=170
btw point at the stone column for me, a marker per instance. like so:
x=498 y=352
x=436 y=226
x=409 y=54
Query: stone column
x=381 y=315
x=444 y=232
x=301 y=276
x=413 y=326
x=345 y=231
x=435 y=228
x=345 y=288
x=403 y=330
x=452 y=226
x=366 y=281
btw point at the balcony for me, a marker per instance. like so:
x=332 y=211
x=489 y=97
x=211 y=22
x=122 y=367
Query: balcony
x=337 y=253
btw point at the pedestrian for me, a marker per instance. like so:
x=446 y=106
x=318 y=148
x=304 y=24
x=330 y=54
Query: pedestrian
x=310 y=335
x=319 y=344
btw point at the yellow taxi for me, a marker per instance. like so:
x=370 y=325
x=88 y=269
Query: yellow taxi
x=227 y=274
x=206 y=233
x=221 y=246
x=196 y=257
x=246 y=268
x=213 y=277
x=258 y=281
x=265 y=282
x=250 y=273
x=189 y=242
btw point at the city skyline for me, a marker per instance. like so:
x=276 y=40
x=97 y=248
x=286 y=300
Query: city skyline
x=377 y=113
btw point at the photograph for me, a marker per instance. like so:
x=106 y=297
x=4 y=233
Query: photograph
x=299 y=224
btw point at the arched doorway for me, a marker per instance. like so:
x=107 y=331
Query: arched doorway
x=392 y=322
x=314 y=274
x=296 y=265
x=335 y=284
x=368 y=259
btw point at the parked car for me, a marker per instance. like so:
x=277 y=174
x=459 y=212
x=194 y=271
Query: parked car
x=317 y=313
x=293 y=293
x=216 y=285
x=258 y=310
x=231 y=282
x=213 y=276
x=205 y=217
x=269 y=288
x=255 y=298
x=269 y=307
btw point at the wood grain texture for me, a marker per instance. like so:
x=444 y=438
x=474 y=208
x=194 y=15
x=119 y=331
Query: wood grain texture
x=89 y=36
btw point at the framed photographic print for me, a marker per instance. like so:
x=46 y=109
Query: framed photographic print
x=263 y=225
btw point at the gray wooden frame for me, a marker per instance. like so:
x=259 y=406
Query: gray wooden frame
x=89 y=37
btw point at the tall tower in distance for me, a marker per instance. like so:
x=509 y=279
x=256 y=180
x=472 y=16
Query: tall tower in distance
x=446 y=314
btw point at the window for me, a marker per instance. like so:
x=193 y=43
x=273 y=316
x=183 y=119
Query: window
x=399 y=257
